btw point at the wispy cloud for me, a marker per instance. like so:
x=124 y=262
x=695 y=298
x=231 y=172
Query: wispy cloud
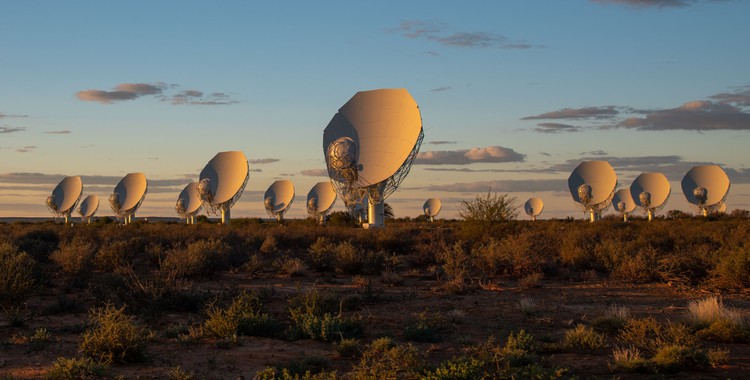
x=652 y=3
x=436 y=31
x=314 y=172
x=31 y=181
x=723 y=111
x=594 y=153
x=501 y=186
x=26 y=149
x=5 y=115
x=469 y=156
x=441 y=89
x=161 y=91
x=63 y=132
x=11 y=129
x=262 y=161
x=442 y=142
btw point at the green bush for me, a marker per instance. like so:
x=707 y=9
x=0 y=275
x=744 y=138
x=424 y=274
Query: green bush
x=243 y=316
x=16 y=275
x=458 y=369
x=583 y=337
x=425 y=328
x=386 y=359
x=311 y=320
x=74 y=369
x=202 y=257
x=114 y=337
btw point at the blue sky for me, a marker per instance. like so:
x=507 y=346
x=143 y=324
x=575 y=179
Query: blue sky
x=101 y=89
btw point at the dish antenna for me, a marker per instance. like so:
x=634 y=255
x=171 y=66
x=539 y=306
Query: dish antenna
x=533 y=207
x=320 y=199
x=370 y=145
x=189 y=203
x=623 y=203
x=432 y=208
x=128 y=196
x=65 y=196
x=222 y=182
x=652 y=192
x=592 y=185
x=357 y=208
x=722 y=209
x=279 y=198
x=706 y=187
x=88 y=208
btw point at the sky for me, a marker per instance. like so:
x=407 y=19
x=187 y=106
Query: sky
x=513 y=94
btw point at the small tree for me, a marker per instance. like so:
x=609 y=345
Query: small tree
x=387 y=211
x=490 y=208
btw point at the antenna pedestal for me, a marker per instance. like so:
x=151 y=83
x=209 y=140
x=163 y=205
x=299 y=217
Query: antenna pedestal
x=592 y=214
x=375 y=214
x=705 y=211
x=650 y=214
x=225 y=216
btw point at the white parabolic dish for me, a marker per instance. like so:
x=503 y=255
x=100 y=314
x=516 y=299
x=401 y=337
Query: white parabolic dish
x=190 y=199
x=624 y=196
x=227 y=173
x=384 y=124
x=324 y=195
x=89 y=206
x=67 y=194
x=432 y=207
x=597 y=174
x=533 y=206
x=710 y=177
x=653 y=183
x=131 y=190
x=281 y=193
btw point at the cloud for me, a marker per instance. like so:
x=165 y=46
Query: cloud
x=442 y=142
x=594 y=153
x=62 y=132
x=159 y=90
x=91 y=183
x=440 y=89
x=256 y=170
x=5 y=115
x=605 y=112
x=545 y=154
x=723 y=111
x=469 y=156
x=314 y=172
x=26 y=149
x=502 y=186
x=123 y=91
x=262 y=161
x=651 y=3
x=11 y=129
x=556 y=128
x=435 y=31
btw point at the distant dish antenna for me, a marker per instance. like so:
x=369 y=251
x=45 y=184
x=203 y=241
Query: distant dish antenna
x=65 y=197
x=653 y=191
x=623 y=203
x=320 y=200
x=706 y=187
x=432 y=208
x=88 y=208
x=533 y=207
x=128 y=196
x=279 y=198
x=592 y=185
x=222 y=182
x=370 y=145
x=189 y=203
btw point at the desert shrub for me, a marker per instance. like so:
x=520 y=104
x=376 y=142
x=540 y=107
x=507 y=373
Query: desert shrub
x=40 y=339
x=637 y=268
x=458 y=369
x=202 y=257
x=649 y=336
x=629 y=359
x=613 y=320
x=321 y=255
x=578 y=248
x=270 y=244
x=715 y=321
x=426 y=328
x=114 y=254
x=271 y=373
x=456 y=264
x=347 y=348
x=732 y=271
x=74 y=369
x=489 y=209
x=244 y=316
x=75 y=260
x=114 y=337
x=310 y=319
x=16 y=275
x=672 y=358
x=353 y=260
x=386 y=359
x=39 y=244
x=583 y=337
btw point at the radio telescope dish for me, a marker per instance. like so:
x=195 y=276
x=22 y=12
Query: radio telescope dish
x=592 y=185
x=65 y=196
x=533 y=207
x=320 y=199
x=623 y=203
x=88 y=208
x=222 y=182
x=432 y=208
x=706 y=187
x=370 y=145
x=189 y=203
x=128 y=196
x=722 y=209
x=279 y=198
x=651 y=192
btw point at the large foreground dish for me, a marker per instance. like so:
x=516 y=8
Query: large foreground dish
x=222 y=182
x=128 y=196
x=592 y=185
x=370 y=145
x=65 y=196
